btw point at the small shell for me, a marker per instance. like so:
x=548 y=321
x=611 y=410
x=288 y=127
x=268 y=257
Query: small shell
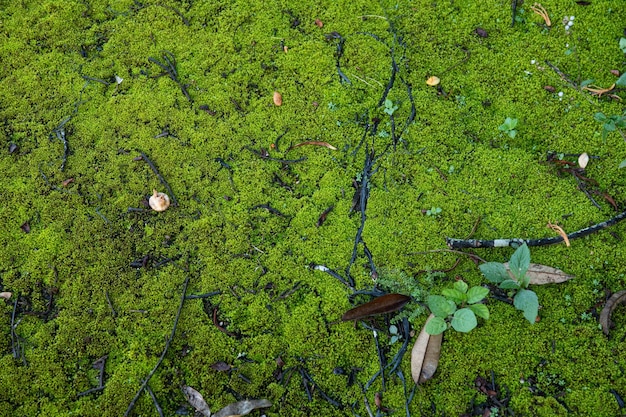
x=583 y=160
x=278 y=99
x=159 y=201
x=433 y=81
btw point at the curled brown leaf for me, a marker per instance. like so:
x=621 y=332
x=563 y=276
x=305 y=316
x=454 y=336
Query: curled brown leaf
x=605 y=317
x=195 y=399
x=425 y=355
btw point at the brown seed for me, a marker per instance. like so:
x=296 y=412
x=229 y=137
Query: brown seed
x=319 y=23
x=481 y=32
x=67 y=182
x=278 y=99
x=615 y=72
x=549 y=88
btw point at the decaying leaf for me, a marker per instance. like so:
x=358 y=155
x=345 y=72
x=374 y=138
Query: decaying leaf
x=241 y=408
x=542 y=274
x=431 y=359
x=605 y=317
x=425 y=355
x=380 y=305
x=313 y=142
x=195 y=399
x=5 y=294
x=221 y=366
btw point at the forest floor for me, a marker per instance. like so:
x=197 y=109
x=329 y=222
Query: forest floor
x=310 y=167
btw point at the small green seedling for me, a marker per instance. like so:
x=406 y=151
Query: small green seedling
x=517 y=280
x=395 y=334
x=610 y=123
x=446 y=309
x=389 y=107
x=434 y=211
x=508 y=127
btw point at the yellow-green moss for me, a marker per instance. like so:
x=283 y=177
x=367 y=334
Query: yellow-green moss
x=232 y=57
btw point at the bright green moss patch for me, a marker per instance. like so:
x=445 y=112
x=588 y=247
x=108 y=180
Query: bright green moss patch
x=93 y=278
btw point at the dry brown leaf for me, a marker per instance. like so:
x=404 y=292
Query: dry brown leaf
x=419 y=354
x=542 y=274
x=241 y=408
x=431 y=359
x=195 y=399
x=313 y=142
x=559 y=230
x=605 y=316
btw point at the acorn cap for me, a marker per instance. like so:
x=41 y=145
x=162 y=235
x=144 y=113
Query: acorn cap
x=159 y=201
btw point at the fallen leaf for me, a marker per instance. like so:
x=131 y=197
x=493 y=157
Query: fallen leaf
x=241 y=408
x=431 y=359
x=605 y=317
x=6 y=295
x=542 y=274
x=380 y=305
x=195 y=399
x=313 y=142
x=425 y=355
x=221 y=366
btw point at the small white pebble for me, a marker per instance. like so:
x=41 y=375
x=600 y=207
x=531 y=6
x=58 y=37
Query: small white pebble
x=571 y=18
x=532 y=61
x=560 y=94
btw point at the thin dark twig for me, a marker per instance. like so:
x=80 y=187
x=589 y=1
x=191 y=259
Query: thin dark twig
x=269 y=158
x=207 y=295
x=347 y=282
x=154 y=169
x=169 y=69
x=15 y=343
x=515 y=242
x=154 y=400
x=561 y=74
x=59 y=132
x=167 y=345
x=106 y=294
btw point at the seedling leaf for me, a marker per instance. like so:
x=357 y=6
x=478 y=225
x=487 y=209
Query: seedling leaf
x=454 y=295
x=494 y=272
x=520 y=261
x=621 y=81
x=464 y=320
x=475 y=294
x=527 y=301
x=480 y=310
x=436 y=326
x=461 y=286
x=440 y=306
x=509 y=284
